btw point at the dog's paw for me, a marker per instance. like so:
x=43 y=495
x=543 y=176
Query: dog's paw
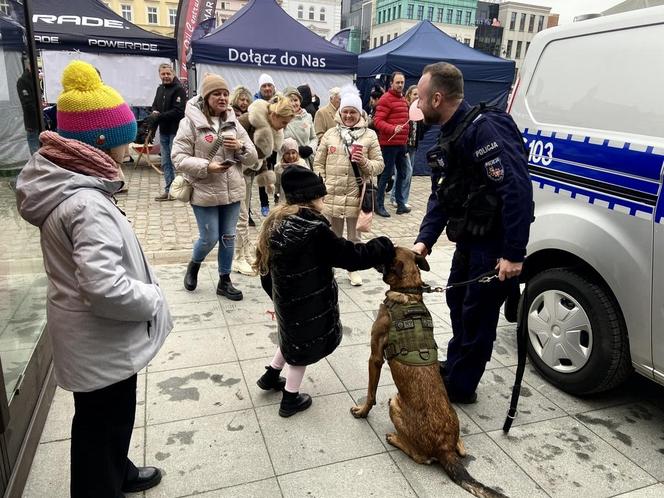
x=391 y=438
x=360 y=411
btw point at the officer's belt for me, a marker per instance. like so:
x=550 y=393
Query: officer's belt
x=410 y=338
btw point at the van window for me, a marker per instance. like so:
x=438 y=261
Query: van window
x=608 y=81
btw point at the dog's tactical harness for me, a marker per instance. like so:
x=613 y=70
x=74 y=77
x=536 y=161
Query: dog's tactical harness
x=410 y=339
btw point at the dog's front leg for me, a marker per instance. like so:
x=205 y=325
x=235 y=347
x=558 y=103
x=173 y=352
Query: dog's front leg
x=378 y=340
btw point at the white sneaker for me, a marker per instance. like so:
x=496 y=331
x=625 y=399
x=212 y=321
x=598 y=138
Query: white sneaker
x=241 y=266
x=355 y=278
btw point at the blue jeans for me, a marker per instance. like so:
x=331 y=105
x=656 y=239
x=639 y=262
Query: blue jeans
x=166 y=143
x=394 y=157
x=216 y=224
x=405 y=186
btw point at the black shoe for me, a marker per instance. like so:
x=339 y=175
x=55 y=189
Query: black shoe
x=225 y=288
x=403 y=210
x=382 y=212
x=252 y=223
x=191 y=277
x=148 y=477
x=463 y=399
x=292 y=403
x=389 y=185
x=271 y=380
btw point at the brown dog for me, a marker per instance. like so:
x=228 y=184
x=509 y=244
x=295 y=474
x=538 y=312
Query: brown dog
x=427 y=427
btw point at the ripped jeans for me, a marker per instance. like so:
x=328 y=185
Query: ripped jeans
x=216 y=224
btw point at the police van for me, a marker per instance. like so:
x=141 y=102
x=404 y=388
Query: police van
x=589 y=102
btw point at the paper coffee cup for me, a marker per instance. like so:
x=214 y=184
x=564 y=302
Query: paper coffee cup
x=356 y=148
x=227 y=134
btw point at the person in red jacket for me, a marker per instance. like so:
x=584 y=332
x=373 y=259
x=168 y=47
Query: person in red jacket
x=391 y=123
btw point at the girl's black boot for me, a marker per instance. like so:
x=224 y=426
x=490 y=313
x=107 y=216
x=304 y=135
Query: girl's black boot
x=271 y=380
x=292 y=403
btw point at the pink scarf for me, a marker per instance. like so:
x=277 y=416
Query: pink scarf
x=77 y=156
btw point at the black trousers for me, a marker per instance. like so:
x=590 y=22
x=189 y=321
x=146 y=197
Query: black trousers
x=100 y=436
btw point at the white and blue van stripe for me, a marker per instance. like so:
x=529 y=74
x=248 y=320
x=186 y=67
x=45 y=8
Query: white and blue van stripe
x=620 y=176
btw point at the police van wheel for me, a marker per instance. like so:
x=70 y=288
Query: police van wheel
x=577 y=338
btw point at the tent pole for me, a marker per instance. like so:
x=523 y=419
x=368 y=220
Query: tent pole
x=32 y=59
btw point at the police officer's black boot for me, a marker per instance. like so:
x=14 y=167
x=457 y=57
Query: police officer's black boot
x=191 y=277
x=292 y=403
x=225 y=288
x=271 y=380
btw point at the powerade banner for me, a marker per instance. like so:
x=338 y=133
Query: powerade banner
x=191 y=14
x=89 y=26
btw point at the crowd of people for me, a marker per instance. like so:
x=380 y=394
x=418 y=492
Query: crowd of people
x=107 y=316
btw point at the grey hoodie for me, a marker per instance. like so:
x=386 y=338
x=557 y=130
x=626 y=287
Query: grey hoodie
x=106 y=314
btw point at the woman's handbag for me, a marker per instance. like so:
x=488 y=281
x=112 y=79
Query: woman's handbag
x=365 y=216
x=181 y=189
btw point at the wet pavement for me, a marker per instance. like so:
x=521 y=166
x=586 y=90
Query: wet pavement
x=203 y=420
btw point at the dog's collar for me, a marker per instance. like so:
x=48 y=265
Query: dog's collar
x=416 y=290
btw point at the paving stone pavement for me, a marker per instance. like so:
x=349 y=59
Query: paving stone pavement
x=203 y=420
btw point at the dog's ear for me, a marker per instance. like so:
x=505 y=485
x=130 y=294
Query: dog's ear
x=421 y=262
x=397 y=268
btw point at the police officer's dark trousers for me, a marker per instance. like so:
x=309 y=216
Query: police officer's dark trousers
x=474 y=311
x=100 y=437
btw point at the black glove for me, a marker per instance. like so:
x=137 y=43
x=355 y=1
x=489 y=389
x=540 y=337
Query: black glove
x=151 y=121
x=305 y=151
x=383 y=249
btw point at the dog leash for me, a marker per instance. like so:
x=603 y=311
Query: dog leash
x=484 y=278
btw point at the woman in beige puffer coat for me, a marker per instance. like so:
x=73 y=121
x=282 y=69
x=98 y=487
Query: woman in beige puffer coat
x=213 y=162
x=333 y=163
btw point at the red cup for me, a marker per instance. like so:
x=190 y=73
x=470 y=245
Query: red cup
x=356 y=148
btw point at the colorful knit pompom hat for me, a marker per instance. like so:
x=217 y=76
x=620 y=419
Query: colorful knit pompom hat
x=92 y=112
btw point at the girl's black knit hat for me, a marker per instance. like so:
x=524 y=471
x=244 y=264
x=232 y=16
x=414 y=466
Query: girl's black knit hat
x=300 y=185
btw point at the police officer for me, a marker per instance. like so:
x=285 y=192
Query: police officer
x=482 y=196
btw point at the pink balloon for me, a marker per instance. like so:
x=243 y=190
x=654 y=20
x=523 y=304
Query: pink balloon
x=414 y=113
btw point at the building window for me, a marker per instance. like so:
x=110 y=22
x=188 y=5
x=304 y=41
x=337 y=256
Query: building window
x=522 y=22
x=459 y=14
x=430 y=14
x=172 y=16
x=396 y=34
x=312 y=13
x=225 y=5
x=381 y=40
x=466 y=41
x=399 y=11
x=4 y=7
x=440 y=15
x=527 y=47
x=540 y=24
x=420 y=12
x=388 y=37
x=394 y=13
x=300 y=11
x=469 y=17
x=153 y=15
x=450 y=13
x=375 y=41
x=508 y=50
x=409 y=12
x=126 y=12
x=512 y=21
x=321 y=14
x=517 y=55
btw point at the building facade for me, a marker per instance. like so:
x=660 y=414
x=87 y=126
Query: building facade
x=393 y=17
x=323 y=17
x=357 y=14
x=157 y=16
x=226 y=9
x=489 y=31
x=521 y=22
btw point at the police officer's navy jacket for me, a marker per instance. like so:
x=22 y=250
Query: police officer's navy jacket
x=492 y=145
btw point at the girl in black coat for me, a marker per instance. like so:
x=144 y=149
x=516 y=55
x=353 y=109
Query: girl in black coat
x=296 y=254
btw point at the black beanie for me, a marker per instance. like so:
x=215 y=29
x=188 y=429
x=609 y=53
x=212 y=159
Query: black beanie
x=300 y=184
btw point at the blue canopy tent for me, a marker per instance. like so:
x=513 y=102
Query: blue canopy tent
x=486 y=78
x=263 y=38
